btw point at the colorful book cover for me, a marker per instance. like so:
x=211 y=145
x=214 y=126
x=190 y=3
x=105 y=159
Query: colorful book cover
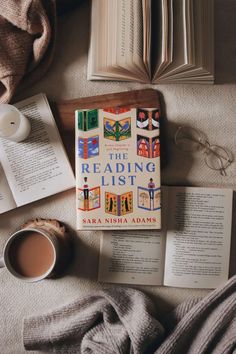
x=118 y=204
x=148 y=119
x=118 y=169
x=88 y=147
x=87 y=119
x=148 y=147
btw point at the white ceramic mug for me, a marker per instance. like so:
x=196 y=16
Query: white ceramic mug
x=5 y=260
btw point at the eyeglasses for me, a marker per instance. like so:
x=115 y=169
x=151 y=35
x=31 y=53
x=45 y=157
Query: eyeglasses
x=192 y=140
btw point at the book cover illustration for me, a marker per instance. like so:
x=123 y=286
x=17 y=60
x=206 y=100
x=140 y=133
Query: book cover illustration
x=87 y=119
x=88 y=198
x=148 y=147
x=118 y=169
x=149 y=198
x=88 y=147
x=117 y=110
x=148 y=119
x=117 y=130
x=118 y=204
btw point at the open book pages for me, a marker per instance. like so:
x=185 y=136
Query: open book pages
x=37 y=167
x=192 y=250
x=159 y=41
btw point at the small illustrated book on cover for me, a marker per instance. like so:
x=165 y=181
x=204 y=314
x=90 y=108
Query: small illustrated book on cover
x=118 y=168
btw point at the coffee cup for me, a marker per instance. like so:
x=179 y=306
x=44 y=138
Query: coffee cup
x=31 y=254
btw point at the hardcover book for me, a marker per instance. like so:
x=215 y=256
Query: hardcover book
x=118 y=168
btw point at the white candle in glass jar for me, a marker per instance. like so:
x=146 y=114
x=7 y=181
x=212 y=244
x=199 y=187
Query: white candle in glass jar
x=13 y=124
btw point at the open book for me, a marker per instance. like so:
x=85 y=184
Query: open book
x=37 y=167
x=192 y=250
x=159 y=41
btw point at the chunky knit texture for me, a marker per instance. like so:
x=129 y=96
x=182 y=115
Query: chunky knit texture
x=121 y=320
x=27 y=32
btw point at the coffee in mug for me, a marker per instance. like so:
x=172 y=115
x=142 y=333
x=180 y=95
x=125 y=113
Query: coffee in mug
x=31 y=254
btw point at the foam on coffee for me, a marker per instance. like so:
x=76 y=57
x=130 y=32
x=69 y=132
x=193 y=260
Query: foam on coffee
x=31 y=255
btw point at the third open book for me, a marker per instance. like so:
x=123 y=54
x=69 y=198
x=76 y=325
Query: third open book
x=192 y=250
x=158 y=41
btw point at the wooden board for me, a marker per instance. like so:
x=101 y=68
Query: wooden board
x=64 y=111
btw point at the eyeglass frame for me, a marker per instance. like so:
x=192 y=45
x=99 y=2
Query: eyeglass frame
x=207 y=146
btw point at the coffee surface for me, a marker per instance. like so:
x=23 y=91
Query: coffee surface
x=31 y=254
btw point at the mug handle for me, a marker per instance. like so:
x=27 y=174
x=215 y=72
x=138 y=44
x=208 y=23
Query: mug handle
x=2 y=264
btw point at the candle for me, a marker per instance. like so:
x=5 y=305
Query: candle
x=13 y=124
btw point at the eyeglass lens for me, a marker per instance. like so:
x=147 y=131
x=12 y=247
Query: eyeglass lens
x=189 y=139
x=217 y=158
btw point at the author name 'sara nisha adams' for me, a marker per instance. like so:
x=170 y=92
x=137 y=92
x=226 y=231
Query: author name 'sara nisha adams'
x=97 y=221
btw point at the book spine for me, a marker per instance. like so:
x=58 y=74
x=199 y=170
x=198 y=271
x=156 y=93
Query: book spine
x=85 y=121
x=150 y=148
x=85 y=148
x=118 y=205
x=149 y=120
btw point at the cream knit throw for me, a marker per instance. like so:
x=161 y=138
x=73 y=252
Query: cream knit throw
x=27 y=31
x=122 y=320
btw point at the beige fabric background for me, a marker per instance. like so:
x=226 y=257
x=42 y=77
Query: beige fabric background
x=209 y=108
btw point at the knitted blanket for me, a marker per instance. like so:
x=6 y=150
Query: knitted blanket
x=27 y=33
x=122 y=320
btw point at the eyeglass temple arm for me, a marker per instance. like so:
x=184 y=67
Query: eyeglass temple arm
x=222 y=169
x=207 y=145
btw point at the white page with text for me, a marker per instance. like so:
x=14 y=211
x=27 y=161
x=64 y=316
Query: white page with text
x=132 y=257
x=198 y=237
x=6 y=198
x=37 y=167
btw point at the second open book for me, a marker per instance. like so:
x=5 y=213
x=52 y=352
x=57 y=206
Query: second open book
x=192 y=250
x=159 y=41
x=37 y=167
